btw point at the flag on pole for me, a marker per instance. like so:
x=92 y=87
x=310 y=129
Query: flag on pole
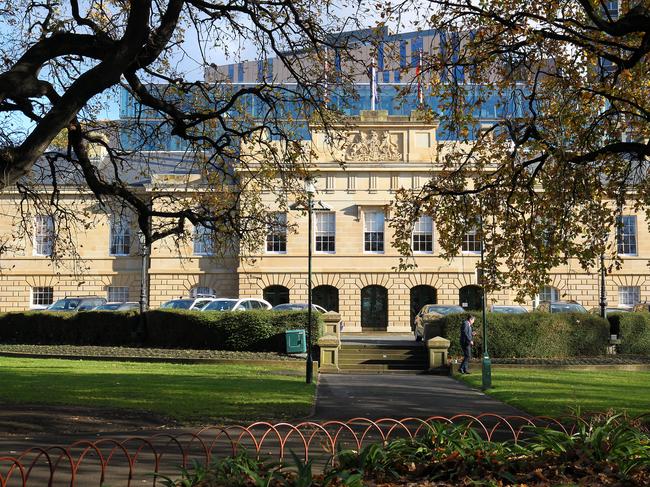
x=418 y=75
x=326 y=69
x=373 y=86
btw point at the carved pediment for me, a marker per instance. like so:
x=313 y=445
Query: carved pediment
x=374 y=145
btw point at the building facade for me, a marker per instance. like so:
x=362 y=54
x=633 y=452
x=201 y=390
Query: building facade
x=354 y=265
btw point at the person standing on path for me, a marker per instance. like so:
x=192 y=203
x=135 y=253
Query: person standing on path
x=466 y=342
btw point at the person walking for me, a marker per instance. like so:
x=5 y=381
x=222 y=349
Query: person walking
x=466 y=342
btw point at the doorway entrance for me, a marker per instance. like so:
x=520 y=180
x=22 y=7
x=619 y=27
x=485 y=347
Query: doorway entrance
x=471 y=298
x=374 y=308
x=421 y=295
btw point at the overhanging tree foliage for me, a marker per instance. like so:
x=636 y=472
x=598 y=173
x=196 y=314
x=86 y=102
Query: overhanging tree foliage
x=64 y=59
x=567 y=152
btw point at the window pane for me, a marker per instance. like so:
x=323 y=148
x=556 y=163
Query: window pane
x=626 y=233
x=549 y=293
x=276 y=237
x=629 y=295
x=325 y=232
x=373 y=237
x=471 y=241
x=118 y=294
x=120 y=243
x=423 y=235
x=203 y=242
x=43 y=234
x=42 y=296
x=201 y=291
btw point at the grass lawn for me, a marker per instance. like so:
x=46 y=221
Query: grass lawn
x=184 y=392
x=555 y=392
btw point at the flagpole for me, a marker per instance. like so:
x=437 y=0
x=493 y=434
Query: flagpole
x=373 y=87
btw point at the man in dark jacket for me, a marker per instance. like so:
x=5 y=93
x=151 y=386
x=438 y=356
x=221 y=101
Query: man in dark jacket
x=466 y=342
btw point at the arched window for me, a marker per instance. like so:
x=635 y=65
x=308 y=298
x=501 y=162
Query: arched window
x=201 y=291
x=326 y=296
x=276 y=295
x=471 y=297
x=374 y=308
x=420 y=296
x=549 y=293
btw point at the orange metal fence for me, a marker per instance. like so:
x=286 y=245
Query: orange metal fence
x=138 y=460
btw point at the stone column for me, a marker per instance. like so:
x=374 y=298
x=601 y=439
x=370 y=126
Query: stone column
x=438 y=348
x=330 y=342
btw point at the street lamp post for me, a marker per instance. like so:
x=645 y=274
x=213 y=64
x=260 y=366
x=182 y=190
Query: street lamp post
x=312 y=206
x=486 y=368
x=603 y=292
x=310 y=189
x=144 y=269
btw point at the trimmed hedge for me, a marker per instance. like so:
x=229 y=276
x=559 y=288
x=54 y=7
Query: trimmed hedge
x=238 y=331
x=543 y=335
x=633 y=330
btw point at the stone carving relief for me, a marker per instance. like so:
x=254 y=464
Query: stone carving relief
x=371 y=146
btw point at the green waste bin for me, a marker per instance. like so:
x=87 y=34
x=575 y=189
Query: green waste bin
x=296 y=341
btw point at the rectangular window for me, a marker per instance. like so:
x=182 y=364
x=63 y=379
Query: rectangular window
x=325 y=232
x=549 y=293
x=203 y=241
x=276 y=237
x=119 y=294
x=120 y=235
x=42 y=297
x=423 y=235
x=629 y=295
x=373 y=235
x=472 y=242
x=626 y=235
x=43 y=234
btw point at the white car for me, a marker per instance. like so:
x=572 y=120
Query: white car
x=193 y=304
x=243 y=304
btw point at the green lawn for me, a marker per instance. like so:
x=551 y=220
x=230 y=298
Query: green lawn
x=183 y=392
x=555 y=392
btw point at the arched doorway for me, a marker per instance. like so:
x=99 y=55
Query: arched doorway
x=471 y=297
x=374 y=308
x=276 y=295
x=326 y=296
x=421 y=295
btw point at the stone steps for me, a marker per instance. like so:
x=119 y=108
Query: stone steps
x=355 y=358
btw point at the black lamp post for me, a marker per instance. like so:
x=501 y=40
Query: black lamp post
x=144 y=277
x=603 y=292
x=310 y=189
x=486 y=368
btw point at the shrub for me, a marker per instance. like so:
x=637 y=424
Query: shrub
x=239 y=331
x=633 y=331
x=529 y=335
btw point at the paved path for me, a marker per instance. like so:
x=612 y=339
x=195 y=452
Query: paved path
x=400 y=396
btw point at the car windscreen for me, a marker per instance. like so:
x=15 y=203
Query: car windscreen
x=444 y=310
x=178 y=304
x=567 y=308
x=65 y=304
x=509 y=309
x=290 y=307
x=220 y=305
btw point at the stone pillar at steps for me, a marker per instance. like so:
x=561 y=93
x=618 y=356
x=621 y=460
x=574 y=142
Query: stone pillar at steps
x=330 y=342
x=438 y=348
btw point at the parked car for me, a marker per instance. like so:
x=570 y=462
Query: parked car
x=243 y=304
x=596 y=310
x=121 y=306
x=560 y=307
x=298 y=307
x=195 y=304
x=76 y=303
x=510 y=309
x=432 y=311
